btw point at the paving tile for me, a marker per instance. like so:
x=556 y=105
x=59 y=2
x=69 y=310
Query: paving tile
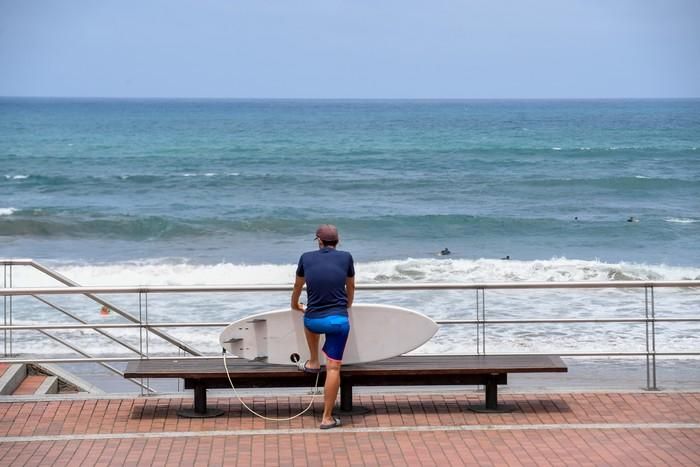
x=545 y=429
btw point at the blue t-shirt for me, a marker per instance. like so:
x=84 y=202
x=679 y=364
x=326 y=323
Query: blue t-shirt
x=325 y=271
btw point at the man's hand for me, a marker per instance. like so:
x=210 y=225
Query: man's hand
x=350 y=289
x=296 y=294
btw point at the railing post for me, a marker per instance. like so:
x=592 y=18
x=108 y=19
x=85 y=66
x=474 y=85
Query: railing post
x=646 y=334
x=141 y=333
x=483 y=324
x=650 y=326
x=478 y=325
x=4 y=309
x=7 y=310
x=145 y=300
x=480 y=322
x=653 y=341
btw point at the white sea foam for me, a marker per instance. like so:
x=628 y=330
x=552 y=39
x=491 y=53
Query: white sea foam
x=556 y=149
x=7 y=211
x=641 y=176
x=207 y=174
x=681 y=220
x=16 y=177
x=409 y=270
x=159 y=273
x=442 y=304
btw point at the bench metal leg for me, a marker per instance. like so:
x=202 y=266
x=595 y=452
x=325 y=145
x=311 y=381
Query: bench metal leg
x=346 y=407
x=200 y=409
x=491 y=398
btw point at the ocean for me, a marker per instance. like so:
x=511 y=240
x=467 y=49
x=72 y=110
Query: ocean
x=169 y=192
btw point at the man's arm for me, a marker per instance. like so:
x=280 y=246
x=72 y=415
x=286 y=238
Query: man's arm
x=296 y=294
x=350 y=289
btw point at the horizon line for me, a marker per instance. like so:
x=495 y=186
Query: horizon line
x=355 y=98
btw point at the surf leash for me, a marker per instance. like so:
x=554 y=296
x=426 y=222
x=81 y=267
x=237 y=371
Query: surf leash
x=313 y=395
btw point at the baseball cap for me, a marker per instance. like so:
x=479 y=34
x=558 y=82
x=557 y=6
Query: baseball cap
x=327 y=233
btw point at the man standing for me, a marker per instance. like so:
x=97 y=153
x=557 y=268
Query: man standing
x=329 y=275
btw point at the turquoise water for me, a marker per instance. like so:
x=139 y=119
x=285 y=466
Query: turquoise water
x=137 y=192
x=247 y=181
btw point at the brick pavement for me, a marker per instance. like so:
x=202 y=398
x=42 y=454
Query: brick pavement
x=645 y=428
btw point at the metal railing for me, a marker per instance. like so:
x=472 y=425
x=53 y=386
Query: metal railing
x=145 y=327
x=8 y=317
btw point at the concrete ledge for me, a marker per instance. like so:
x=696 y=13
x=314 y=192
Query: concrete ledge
x=12 y=378
x=49 y=386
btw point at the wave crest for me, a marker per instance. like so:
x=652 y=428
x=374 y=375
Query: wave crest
x=681 y=220
x=169 y=272
x=7 y=211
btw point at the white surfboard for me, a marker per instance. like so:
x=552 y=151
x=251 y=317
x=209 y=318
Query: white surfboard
x=376 y=332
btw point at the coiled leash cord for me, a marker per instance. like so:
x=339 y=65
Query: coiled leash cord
x=313 y=395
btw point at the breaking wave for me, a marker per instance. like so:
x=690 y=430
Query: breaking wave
x=170 y=272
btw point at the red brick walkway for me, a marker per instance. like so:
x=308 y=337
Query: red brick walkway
x=546 y=429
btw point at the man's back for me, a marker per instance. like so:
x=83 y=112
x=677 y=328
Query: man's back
x=326 y=271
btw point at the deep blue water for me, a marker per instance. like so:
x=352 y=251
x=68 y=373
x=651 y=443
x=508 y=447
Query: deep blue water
x=209 y=181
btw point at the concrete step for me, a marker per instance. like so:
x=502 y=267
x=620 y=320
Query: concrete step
x=37 y=384
x=19 y=379
x=49 y=386
x=12 y=377
x=29 y=385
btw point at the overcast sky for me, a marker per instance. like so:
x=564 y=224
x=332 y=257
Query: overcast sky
x=350 y=48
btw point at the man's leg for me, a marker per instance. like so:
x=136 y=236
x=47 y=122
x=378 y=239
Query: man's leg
x=312 y=340
x=330 y=390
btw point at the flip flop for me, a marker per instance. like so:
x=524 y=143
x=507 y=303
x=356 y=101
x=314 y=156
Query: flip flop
x=328 y=426
x=302 y=367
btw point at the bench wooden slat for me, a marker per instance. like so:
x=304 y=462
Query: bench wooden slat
x=409 y=365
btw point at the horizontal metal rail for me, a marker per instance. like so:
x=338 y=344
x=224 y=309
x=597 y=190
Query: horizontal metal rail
x=72 y=285
x=25 y=327
x=379 y=287
x=95 y=328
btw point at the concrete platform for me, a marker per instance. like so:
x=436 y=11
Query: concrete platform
x=612 y=428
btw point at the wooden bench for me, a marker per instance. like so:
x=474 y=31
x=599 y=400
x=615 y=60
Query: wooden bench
x=412 y=370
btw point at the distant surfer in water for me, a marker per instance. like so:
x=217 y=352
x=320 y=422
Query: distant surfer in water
x=329 y=275
x=445 y=252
